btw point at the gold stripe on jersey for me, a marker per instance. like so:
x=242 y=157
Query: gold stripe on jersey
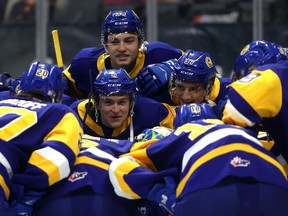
x=68 y=131
x=26 y=119
x=4 y=187
x=124 y=167
x=215 y=89
x=138 y=151
x=285 y=166
x=221 y=151
x=168 y=121
x=265 y=89
x=52 y=162
x=88 y=143
x=139 y=64
x=91 y=161
x=100 y=64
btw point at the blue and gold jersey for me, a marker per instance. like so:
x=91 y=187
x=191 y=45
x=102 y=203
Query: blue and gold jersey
x=199 y=155
x=96 y=59
x=261 y=97
x=148 y=113
x=39 y=142
x=91 y=166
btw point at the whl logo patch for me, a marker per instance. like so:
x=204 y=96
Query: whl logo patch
x=239 y=162
x=77 y=176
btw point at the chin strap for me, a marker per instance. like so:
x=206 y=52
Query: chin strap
x=131 y=138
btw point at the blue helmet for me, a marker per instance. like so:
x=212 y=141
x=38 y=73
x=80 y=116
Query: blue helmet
x=194 y=66
x=257 y=53
x=113 y=81
x=120 y=21
x=192 y=112
x=44 y=80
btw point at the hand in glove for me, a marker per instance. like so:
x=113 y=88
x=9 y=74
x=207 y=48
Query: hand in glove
x=164 y=193
x=25 y=205
x=154 y=78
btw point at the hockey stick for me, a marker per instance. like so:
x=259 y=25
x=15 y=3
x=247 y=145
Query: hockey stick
x=57 y=48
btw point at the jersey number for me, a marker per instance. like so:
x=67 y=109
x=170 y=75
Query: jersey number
x=17 y=121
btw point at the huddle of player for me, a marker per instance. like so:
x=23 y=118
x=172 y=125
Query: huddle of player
x=138 y=128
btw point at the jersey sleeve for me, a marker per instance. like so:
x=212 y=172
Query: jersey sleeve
x=256 y=96
x=55 y=158
x=82 y=67
x=133 y=181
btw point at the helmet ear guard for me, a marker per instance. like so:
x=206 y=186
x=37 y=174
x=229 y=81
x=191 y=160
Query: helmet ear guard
x=43 y=80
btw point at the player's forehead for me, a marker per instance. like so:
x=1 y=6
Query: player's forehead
x=115 y=98
x=122 y=36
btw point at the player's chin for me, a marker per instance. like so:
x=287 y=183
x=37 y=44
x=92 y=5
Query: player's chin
x=124 y=62
x=115 y=124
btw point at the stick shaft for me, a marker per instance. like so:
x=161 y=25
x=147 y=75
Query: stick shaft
x=57 y=48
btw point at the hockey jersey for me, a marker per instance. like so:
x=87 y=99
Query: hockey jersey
x=95 y=59
x=39 y=142
x=148 y=113
x=261 y=97
x=198 y=155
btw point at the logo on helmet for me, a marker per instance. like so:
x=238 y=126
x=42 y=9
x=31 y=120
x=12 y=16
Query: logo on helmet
x=282 y=51
x=120 y=14
x=186 y=73
x=114 y=85
x=114 y=75
x=195 y=109
x=245 y=49
x=42 y=73
x=209 y=62
x=121 y=23
x=188 y=61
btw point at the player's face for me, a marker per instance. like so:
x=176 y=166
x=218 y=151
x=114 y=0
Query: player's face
x=114 y=110
x=123 y=50
x=190 y=92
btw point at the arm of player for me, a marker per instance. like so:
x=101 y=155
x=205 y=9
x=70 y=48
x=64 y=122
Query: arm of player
x=154 y=78
x=133 y=181
x=55 y=158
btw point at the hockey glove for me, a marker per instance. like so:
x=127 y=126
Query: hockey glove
x=164 y=194
x=192 y=112
x=5 y=81
x=25 y=205
x=154 y=133
x=154 y=78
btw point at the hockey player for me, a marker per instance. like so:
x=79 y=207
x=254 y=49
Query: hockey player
x=260 y=96
x=39 y=139
x=192 y=78
x=204 y=168
x=114 y=112
x=88 y=190
x=122 y=37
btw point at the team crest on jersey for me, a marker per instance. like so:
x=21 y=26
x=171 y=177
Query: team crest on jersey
x=77 y=176
x=239 y=162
